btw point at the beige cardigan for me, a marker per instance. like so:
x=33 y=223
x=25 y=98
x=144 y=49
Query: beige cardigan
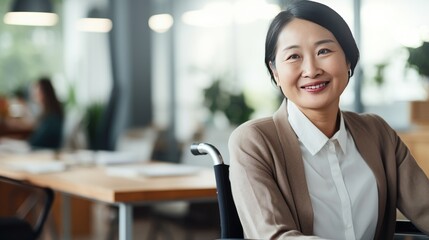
x=269 y=184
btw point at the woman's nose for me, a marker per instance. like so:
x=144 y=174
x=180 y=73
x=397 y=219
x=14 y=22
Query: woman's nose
x=310 y=68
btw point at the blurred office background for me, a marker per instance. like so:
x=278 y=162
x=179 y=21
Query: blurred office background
x=194 y=69
x=154 y=61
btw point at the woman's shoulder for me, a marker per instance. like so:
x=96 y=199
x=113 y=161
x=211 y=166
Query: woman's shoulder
x=254 y=125
x=368 y=119
x=52 y=118
x=368 y=122
x=257 y=132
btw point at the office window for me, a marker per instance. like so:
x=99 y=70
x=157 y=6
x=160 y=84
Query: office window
x=387 y=28
x=27 y=52
x=221 y=40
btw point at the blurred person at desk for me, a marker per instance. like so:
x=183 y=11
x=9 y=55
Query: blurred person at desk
x=47 y=127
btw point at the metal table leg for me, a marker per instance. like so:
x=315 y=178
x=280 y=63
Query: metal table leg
x=66 y=216
x=125 y=221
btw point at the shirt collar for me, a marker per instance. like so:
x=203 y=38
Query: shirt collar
x=309 y=135
x=341 y=135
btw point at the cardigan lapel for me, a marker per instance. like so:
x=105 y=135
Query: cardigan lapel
x=370 y=153
x=295 y=170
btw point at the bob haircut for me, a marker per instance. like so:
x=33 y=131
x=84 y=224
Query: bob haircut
x=316 y=13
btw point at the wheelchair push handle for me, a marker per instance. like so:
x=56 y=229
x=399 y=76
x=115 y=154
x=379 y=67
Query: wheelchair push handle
x=206 y=148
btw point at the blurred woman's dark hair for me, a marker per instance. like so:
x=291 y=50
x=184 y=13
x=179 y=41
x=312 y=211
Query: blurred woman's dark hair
x=316 y=13
x=50 y=102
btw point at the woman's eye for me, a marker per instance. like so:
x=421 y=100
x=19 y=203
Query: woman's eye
x=293 y=57
x=323 y=51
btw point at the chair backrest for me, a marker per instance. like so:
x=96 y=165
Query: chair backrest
x=229 y=220
x=12 y=224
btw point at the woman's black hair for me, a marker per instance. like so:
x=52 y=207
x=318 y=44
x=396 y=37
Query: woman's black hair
x=51 y=104
x=316 y=13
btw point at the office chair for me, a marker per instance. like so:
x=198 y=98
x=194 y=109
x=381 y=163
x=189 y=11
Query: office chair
x=229 y=221
x=21 y=225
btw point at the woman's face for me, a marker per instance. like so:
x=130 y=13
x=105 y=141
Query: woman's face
x=310 y=66
x=37 y=95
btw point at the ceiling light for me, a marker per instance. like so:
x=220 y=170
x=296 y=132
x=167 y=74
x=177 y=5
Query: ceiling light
x=96 y=21
x=31 y=13
x=94 y=25
x=160 y=22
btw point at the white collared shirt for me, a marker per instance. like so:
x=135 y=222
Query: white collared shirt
x=342 y=187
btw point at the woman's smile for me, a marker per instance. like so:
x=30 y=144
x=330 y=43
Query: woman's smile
x=315 y=87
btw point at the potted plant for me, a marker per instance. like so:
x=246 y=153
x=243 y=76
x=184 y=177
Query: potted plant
x=220 y=98
x=93 y=118
x=227 y=108
x=418 y=59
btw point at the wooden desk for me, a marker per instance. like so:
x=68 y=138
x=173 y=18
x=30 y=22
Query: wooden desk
x=95 y=184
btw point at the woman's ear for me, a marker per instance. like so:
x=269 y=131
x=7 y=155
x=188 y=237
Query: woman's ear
x=275 y=73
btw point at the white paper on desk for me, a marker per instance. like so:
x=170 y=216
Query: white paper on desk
x=149 y=170
x=115 y=157
x=14 y=146
x=34 y=166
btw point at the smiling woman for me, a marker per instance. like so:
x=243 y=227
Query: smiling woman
x=309 y=170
